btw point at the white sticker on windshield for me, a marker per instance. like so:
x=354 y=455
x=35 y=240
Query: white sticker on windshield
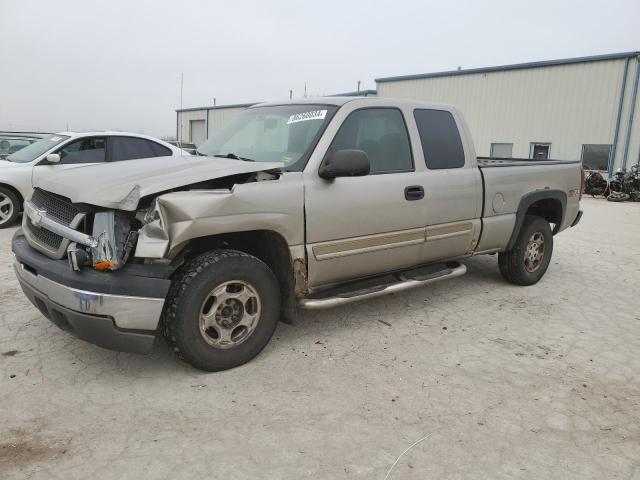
x=303 y=117
x=54 y=139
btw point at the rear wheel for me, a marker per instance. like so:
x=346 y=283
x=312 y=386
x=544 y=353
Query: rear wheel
x=527 y=262
x=223 y=308
x=9 y=207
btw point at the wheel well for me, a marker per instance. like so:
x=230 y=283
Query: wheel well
x=266 y=245
x=15 y=192
x=548 y=208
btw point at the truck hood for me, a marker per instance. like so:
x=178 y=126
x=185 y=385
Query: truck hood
x=121 y=185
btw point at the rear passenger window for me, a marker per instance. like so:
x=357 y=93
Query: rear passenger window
x=382 y=134
x=129 y=148
x=440 y=139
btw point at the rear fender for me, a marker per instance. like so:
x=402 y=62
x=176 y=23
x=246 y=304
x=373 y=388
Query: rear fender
x=530 y=199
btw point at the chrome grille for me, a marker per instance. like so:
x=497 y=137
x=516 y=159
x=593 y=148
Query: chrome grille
x=61 y=211
x=44 y=236
x=56 y=207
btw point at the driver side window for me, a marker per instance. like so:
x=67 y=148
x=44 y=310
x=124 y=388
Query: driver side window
x=83 y=150
x=382 y=134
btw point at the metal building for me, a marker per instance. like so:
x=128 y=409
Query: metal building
x=195 y=125
x=574 y=108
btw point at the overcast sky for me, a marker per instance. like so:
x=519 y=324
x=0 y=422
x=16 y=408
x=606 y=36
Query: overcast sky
x=116 y=64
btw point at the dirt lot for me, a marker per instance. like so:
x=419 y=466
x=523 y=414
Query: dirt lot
x=491 y=380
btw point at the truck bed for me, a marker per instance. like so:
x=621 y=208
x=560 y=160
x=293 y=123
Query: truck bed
x=504 y=188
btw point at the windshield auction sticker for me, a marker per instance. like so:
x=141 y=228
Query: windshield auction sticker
x=303 y=117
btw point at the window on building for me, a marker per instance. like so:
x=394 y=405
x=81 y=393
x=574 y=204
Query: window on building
x=382 y=134
x=540 y=151
x=501 y=150
x=596 y=157
x=440 y=139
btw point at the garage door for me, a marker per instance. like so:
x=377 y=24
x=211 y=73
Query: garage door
x=197 y=132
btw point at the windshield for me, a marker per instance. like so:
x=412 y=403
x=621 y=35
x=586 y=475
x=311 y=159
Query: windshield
x=282 y=133
x=33 y=151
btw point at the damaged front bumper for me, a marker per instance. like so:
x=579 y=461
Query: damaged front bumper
x=120 y=310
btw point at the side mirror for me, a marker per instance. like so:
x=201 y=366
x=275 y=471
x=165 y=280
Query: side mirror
x=53 y=158
x=344 y=163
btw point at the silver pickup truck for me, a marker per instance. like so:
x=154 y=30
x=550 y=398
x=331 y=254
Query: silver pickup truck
x=306 y=204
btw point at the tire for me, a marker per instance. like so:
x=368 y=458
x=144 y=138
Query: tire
x=9 y=207
x=517 y=265
x=618 y=197
x=206 y=325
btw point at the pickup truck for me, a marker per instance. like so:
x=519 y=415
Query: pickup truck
x=304 y=204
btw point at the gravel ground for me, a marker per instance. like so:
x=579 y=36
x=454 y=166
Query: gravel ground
x=484 y=379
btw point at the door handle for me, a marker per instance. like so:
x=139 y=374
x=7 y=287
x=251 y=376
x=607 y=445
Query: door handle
x=414 y=192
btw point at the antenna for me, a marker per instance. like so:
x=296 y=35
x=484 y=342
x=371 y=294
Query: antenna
x=214 y=101
x=358 y=85
x=181 y=112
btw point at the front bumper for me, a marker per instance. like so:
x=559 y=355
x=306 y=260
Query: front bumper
x=116 y=310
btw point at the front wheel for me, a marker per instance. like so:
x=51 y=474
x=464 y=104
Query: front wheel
x=528 y=260
x=222 y=310
x=9 y=207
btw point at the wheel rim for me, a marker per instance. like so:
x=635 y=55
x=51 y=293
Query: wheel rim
x=229 y=314
x=534 y=252
x=6 y=208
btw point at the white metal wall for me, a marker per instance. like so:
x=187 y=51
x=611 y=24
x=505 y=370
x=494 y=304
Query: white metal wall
x=215 y=118
x=565 y=105
x=184 y=123
x=219 y=117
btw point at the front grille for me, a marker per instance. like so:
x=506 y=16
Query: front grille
x=55 y=206
x=59 y=209
x=44 y=236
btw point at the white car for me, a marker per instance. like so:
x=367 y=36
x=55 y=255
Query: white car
x=65 y=150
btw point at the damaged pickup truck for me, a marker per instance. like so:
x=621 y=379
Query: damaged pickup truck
x=307 y=204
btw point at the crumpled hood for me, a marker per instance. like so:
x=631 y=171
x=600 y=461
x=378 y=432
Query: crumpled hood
x=120 y=185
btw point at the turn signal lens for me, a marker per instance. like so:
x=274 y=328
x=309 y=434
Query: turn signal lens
x=105 y=265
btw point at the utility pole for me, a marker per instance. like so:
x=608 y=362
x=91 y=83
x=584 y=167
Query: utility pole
x=290 y=94
x=181 y=112
x=358 y=85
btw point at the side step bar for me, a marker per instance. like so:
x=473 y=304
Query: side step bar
x=405 y=281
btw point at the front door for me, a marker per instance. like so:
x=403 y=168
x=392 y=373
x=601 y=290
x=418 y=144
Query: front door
x=357 y=226
x=84 y=151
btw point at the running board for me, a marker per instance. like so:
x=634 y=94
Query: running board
x=403 y=281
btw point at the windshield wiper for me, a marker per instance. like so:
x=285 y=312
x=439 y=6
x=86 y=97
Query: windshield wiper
x=235 y=157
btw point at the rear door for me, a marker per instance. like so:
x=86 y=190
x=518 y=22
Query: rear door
x=453 y=185
x=129 y=148
x=357 y=226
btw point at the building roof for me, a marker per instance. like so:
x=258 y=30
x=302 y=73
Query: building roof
x=360 y=93
x=217 y=107
x=515 y=66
